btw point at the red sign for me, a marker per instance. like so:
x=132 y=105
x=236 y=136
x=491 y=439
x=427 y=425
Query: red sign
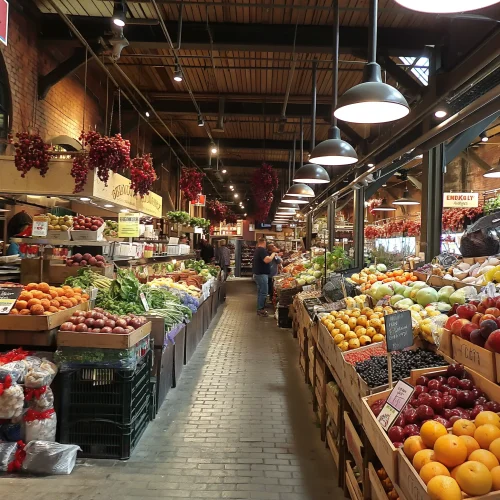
x=4 y=21
x=200 y=200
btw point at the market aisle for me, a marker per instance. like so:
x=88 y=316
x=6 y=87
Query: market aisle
x=239 y=425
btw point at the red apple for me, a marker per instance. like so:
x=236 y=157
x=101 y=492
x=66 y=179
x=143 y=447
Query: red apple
x=486 y=303
x=396 y=434
x=411 y=430
x=477 y=318
x=466 y=311
x=450 y=321
x=434 y=385
x=494 y=311
x=466 y=330
x=457 y=325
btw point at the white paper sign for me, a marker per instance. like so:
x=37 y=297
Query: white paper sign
x=40 y=226
x=460 y=200
x=144 y=301
x=396 y=401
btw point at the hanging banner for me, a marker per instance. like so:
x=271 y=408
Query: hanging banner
x=128 y=225
x=460 y=200
x=200 y=200
x=4 y=21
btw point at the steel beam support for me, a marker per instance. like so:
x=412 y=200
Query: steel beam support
x=432 y=201
x=412 y=87
x=331 y=223
x=359 y=227
x=309 y=226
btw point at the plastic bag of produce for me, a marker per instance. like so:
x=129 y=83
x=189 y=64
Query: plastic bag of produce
x=431 y=328
x=15 y=369
x=11 y=399
x=7 y=455
x=40 y=425
x=37 y=377
x=44 y=457
x=39 y=399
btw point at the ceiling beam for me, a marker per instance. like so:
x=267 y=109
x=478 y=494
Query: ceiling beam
x=228 y=144
x=472 y=156
x=405 y=80
x=250 y=37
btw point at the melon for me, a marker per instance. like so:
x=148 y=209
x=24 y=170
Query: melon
x=426 y=295
x=444 y=294
x=395 y=298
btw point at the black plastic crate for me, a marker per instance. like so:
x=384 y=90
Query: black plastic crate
x=111 y=394
x=100 y=438
x=284 y=321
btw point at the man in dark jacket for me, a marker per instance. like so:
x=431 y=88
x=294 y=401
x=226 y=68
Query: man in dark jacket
x=261 y=271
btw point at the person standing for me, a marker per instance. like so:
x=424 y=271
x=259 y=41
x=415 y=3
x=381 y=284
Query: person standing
x=273 y=265
x=207 y=251
x=224 y=258
x=261 y=270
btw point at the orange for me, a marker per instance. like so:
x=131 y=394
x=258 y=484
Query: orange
x=433 y=469
x=450 y=450
x=45 y=303
x=454 y=472
x=69 y=292
x=60 y=292
x=14 y=311
x=25 y=296
x=495 y=476
x=421 y=458
x=470 y=443
x=443 y=488
x=487 y=417
x=431 y=431
x=55 y=303
x=33 y=302
x=21 y=304
x=62 y=308
x=463 y=427
x=413 y=445
x=486 y=434
x=53 y=293
x=53 y=309
x=31 y=286
x=485 y=457
x=73 y=300
x=43 y=287
x=37 y=310
x=77 y=289
x=494 y=447
x=37 y=294
x=25 y=312
x=474 y=478
x=66 y=303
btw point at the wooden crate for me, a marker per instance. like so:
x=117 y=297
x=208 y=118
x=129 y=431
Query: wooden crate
x=332 y=445
x=45 y=338
x=475 y=357
x=59 y=273
x=103 y=340
x=330 y=351
x=332 y=405
x=445 y=347
x=353 y=441
x=352 y=483
x=39 y=323
x=376 y=487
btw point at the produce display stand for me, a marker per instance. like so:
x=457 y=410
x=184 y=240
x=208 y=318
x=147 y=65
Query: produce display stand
x=194 y=334
x=163 y=370
x=178 y=341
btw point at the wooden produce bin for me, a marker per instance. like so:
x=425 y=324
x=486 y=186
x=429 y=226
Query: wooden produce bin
x=446 y=347
x=163 y=370
x=331 y=353
x=332 y=405
x=179 y=341
x=352 y=483
x=475 y=357
x=353 y=442
x=157 y=330
x=194 y=334
x=32 y=271
x=376 y=486
x=103 y=340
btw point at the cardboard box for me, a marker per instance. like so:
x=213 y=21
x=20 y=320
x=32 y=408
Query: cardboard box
x=475 y=357
x=59 y=273
x=157 y=330
x=53 y=234
x=103 y=340
x=39 y=323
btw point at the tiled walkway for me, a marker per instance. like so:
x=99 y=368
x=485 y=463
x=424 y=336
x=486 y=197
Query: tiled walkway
x=239 y=425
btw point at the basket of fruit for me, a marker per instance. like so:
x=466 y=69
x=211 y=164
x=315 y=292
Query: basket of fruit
x=110 y=232
x=87 y=228
x=59 y=227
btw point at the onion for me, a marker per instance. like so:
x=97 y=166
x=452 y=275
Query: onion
x=82 y=327
x=121 y=322
x=110 y=323
x=98 y=323
x=119 y=330
x=98 y=315
x=89 y=314
x=67 y=327
x=135 y=323
x=106 y=329
x=78 y=320
x=96 y=330
x=90 y=322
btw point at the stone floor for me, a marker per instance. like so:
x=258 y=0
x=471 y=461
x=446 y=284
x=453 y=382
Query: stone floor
x=239 y=425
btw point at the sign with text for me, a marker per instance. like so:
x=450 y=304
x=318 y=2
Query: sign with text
x=4 y=21
x=396 y=401
x=200 y=200
x=40 y=225
x=460 y=200
x=8 y=297
x=128 y=225
x=398 y=331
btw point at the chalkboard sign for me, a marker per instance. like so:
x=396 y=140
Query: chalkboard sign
x=398 y=331
x=8 y=297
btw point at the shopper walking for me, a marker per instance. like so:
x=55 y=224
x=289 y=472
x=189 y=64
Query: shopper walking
x=261 y=271
x=207 y=251
x=273 y=266
x=224 y=258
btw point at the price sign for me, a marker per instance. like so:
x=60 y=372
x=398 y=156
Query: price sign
x=128 y=225
x=398 y=331
x=144 y=301
x=40 y=225
x=396 y=401
x=8 y=297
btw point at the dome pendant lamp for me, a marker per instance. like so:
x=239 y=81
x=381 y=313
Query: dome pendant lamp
x=372 y=101
x=446 y=6
x=406 y=199
x=384 y=207
x=334 y=151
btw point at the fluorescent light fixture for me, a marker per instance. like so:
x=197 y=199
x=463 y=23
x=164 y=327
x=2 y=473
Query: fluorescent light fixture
x=108 y=206
x=440 y=113
x=124 y=210
x=445 y=6
x=84 y=199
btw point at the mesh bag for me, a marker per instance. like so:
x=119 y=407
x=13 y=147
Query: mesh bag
x=44 y=457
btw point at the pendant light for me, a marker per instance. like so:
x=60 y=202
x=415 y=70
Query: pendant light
x=406 y=199
x=372 y=101
x=334 y=151
x=299 y=191
x=493 y=173
x=384 y=207
x=312 y=173
x=298 y=201
x=446 y=6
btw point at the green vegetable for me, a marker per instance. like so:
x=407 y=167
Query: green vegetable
x=179 y=217
x=157 y=297
x=125 y=287
x=86 y=278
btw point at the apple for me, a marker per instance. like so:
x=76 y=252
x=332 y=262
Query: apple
x=486 y=303
x=477 y=318
x=492 y=406
x=477 y=410
x=396 y=434
x=442 y=379
x=494 y=311
x=453 y=381
x=454 y=392
x=448 y=413
x=466 y=384
x=488 y=316
x=411 y=430
x=398 y=444
x=419 y=389
x=436 y=404
x=497 y=303
x=436 y=393
x=476 y=338
x=457 y=325
x=467 y=311
x=449 y=402
x=434 y=385
x=422 y=380
x=494 y=341
x=455 y=370
x=425 y=412
x=410 y=415
x=443 y=421
x=466 y=330
x=450 y=321
x=474 y=302
x=400 y=421
x=454 y=419
x=424 y=399
x=481 y=400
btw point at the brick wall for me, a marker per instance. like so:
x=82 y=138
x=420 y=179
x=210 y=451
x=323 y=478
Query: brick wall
x=61 y=113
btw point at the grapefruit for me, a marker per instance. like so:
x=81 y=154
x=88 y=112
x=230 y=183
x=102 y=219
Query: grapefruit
x=487 y=417
x=421 y=458
x=450 y=450
x=431 y=431
x=443 y=488
x=485 y=457
x=474 y=478
x=495 y=448
x=412 y=445
x=433 y=469
x=495 y=475
x=471 y=444
x=463 y=427
x=486 y=434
